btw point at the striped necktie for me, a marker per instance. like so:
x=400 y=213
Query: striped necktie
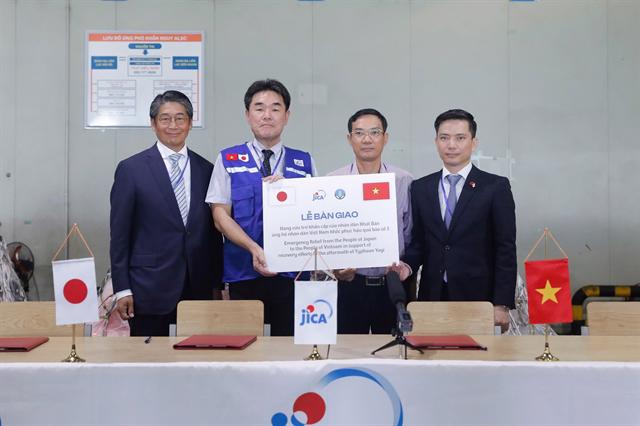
x=177 y=183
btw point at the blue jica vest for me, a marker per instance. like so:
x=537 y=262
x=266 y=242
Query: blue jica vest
x=246 y=203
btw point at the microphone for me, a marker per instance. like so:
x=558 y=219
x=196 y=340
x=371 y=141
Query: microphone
x=399 y=299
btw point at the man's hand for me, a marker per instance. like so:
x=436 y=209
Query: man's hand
x=272 y=178
x=347 y=274
x=501 y=317
x=402 y=269
x=125 y=307
x=260 y=263
x=231 y=230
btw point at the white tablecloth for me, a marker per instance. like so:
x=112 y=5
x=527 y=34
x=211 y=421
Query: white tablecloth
x=365 y=392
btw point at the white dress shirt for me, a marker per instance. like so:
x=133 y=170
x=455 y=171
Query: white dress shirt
x=444 y=182
x=182 y=163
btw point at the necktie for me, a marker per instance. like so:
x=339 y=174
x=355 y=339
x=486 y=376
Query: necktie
x=177 y=183
x=266 y=165
x=451 y=199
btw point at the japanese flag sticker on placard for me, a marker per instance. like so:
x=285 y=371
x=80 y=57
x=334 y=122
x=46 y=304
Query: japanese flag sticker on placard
x=282 y=196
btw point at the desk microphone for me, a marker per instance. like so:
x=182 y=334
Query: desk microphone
x=398 y=298
x=404 y=323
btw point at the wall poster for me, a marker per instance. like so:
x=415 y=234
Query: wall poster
x=126 y=70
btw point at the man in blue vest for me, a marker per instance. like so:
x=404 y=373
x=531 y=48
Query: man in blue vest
x=235 y=196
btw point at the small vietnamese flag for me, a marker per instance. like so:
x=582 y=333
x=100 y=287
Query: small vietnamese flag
x=232 y=157
x=375 y=191
x=549 y=291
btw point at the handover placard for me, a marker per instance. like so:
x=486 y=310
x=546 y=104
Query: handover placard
x=351 y=220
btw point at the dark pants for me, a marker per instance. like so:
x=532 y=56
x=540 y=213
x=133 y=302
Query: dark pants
x=362 y=308
x=158 y=325
x=277 y=295
x=151 y=325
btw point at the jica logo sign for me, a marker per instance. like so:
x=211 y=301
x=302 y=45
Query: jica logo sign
x=319 y=195
x=317 y=313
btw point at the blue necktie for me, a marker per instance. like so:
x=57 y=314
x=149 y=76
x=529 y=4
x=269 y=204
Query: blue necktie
x=177 y=183
x=451 y=205
x=451 y=199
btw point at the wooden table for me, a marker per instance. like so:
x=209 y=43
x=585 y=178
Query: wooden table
x=499 y=348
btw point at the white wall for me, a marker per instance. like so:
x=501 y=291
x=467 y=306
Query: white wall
x=554 y=85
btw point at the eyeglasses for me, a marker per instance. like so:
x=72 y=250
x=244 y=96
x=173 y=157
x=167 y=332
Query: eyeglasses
x=166 y=120
x=374 y=133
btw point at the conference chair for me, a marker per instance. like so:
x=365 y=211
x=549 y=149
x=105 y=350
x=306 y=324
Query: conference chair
x=33 y=319
x=441 y=318
x=238 y=317
x=613 y=318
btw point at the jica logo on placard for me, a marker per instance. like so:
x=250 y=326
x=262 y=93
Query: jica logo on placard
x=319 y=195
x=317 y=313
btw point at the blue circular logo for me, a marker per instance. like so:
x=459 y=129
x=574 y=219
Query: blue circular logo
x=340 y=194
x=314 y=407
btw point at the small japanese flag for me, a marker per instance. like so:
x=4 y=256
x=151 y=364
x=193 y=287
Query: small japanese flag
x=282 y=196
x=74 y=283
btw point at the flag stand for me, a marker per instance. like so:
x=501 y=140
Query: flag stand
x=73 y=355
x=315 y=354
x=546 y=355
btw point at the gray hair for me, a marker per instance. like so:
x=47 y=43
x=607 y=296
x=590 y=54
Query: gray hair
x=170 y=96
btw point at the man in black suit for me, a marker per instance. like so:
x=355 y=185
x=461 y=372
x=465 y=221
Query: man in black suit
x=164 y=245
x=464 y=225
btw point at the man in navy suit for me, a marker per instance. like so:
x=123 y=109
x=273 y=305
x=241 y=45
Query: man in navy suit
x=464 y=225
x=164 y=245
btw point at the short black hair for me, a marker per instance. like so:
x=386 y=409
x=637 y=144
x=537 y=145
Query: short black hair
x=170 y=96
x=367 y=111
x=267 y=84
x=457 y=114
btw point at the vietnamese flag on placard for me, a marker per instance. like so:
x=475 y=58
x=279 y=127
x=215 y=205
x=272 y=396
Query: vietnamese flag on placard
x=375 y=191
x=232 y=157
x=549 y=291
x=74 y=286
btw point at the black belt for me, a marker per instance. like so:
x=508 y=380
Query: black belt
x=373 y=281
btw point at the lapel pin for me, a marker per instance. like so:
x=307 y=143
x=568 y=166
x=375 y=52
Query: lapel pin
x=472 y=184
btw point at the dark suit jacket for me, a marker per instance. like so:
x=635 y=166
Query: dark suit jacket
x=152 y=252
x=478 y=251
